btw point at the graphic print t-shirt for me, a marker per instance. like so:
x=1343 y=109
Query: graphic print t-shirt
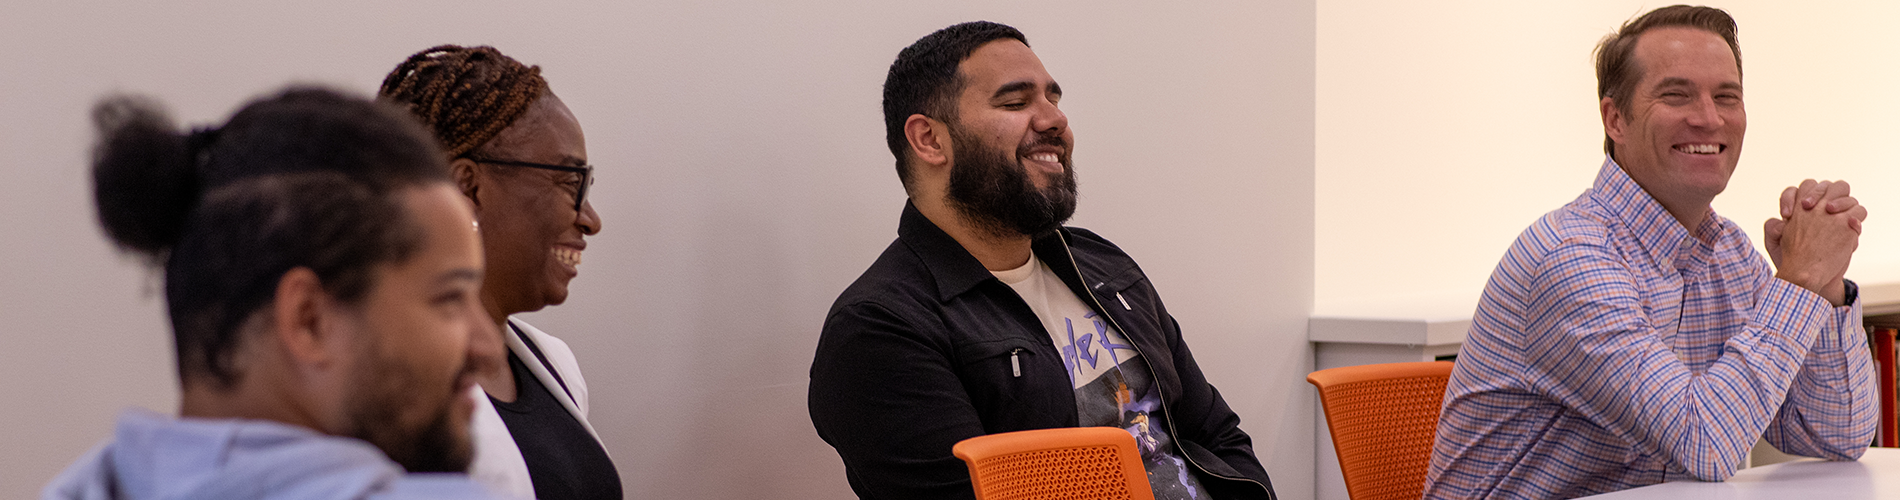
x=1113 y=386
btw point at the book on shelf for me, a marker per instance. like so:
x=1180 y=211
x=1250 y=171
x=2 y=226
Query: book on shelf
x=1882 y=339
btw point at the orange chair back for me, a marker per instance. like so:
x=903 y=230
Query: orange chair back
x=1383 y=418
x=1064 y=463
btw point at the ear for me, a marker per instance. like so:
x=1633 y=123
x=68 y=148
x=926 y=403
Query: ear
x=299 y=319
x=929 y=140
x=462 y=171
x=1613 y=119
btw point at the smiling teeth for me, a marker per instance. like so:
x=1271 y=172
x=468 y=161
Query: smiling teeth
x=1048 y=157
x=1702 y=149
x=568 y=256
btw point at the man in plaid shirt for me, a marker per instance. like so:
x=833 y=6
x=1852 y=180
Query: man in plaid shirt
x=1633 y=336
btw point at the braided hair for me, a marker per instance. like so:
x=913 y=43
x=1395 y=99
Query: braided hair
x=466 y=95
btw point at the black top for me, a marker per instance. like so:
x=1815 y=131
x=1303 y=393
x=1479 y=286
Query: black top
x=928 y=348
x=564 y=460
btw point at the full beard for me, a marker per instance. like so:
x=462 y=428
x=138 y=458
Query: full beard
x=992 y=189
x=376 y=416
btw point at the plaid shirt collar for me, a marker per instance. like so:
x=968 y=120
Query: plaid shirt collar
x=1658 y=232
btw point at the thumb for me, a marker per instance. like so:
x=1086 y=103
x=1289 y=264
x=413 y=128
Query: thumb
x=1771 y=239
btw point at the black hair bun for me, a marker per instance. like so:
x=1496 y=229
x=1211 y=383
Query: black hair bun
x=144 y=175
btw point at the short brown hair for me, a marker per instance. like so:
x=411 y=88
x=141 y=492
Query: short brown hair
x=1617 y=71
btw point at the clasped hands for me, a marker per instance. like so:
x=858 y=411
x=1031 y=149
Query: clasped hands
x=1815 y=237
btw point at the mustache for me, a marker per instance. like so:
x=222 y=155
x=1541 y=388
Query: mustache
x=1045 y=140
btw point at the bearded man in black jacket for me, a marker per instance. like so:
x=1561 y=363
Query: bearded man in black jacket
x=987 y=315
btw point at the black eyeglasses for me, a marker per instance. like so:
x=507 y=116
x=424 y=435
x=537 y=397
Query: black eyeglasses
x=586 y=171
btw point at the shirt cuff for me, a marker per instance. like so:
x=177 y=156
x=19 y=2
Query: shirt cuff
x=1798 y=313
x=1845 y=329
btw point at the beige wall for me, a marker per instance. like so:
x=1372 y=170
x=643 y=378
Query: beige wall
x=743 y=183
x=1445 y=128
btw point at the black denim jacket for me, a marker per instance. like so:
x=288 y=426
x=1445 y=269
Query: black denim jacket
x=916 y=356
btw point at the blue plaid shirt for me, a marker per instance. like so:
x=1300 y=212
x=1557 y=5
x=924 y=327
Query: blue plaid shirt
x=1613 y=348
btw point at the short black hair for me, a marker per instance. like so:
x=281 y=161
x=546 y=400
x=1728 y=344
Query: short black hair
x=302 y=179
x=924 y=80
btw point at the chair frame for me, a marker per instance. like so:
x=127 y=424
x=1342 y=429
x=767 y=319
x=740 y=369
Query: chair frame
x=977 y=450
x=1357 y=465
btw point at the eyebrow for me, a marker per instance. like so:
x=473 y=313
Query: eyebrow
x=1677 y=81
x=1024 y=86
x=459 y=274
x=1013 y=87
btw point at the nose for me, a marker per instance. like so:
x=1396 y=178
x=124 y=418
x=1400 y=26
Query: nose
x=1707 y=114
x=1049 y=119
x=588 y=220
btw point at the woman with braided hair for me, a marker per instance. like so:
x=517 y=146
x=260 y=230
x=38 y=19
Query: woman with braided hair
x=516 y=151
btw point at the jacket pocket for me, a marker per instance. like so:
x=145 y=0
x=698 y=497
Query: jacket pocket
x=1002 y=377
x=1121 y=292
x=1005 y=357
x=1117 y=282
x=996 y=373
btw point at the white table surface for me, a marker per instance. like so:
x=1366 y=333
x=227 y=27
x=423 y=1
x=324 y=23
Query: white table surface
x=1875 y=475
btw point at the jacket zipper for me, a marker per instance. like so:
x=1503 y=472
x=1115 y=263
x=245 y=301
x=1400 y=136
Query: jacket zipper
x=1152 y=376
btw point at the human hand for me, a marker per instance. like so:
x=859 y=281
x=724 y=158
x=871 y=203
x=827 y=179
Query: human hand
x=1807 y=195
x=1810 y=192
x=1814 y=244
x=1771 y=239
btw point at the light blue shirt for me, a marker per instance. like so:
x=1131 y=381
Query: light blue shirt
x=158 y=457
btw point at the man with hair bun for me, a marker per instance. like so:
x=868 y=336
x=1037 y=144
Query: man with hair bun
x=1633 y=336
x=987 y=315
x=518 y=154
x=322 y=277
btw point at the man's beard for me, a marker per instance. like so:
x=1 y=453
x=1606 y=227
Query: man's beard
x=376 y=415
x=992 y=189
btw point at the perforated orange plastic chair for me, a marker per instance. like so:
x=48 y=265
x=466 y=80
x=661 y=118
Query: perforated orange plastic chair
x=1065 y=463
x=1383 y=418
